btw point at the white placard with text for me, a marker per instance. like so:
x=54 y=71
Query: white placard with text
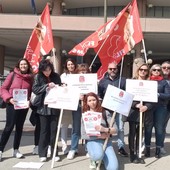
x=117 y=100
x=63 y=98
x=143 y=90
x=85 y=82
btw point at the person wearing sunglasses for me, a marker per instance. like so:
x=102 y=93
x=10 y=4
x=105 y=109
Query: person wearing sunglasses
x=159 y=111
x=166 y=74
x=142 y=73
x=112 y=77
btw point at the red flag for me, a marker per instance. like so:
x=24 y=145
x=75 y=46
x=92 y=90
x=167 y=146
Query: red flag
x=91 y=41
x=125 y=33
x=41 y=40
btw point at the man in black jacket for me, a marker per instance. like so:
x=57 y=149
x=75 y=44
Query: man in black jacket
x=112 y=78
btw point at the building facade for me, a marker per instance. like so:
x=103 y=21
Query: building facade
x=74 y=20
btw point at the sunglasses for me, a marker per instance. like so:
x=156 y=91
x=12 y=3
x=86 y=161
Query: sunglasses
x=145 y=70
x=166 y=68
x=112 y=69
x=156 y=70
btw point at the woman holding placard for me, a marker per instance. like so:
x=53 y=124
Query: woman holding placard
x=94 y=143
x=20 y=78
x=142 y=73
x=76 y=117
x=44 y=80
x=159 y=111
x=69 y=68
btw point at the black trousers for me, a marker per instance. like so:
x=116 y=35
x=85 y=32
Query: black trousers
x=37 y=130
x=13 y=118
x=133 y=137
x=48 y=132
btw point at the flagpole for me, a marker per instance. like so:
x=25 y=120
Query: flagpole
x=105 y=10
x=98 y=51
x=54 y=59
x=121 y=70
x=145 y=55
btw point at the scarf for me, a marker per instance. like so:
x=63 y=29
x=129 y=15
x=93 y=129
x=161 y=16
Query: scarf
x=157 y=78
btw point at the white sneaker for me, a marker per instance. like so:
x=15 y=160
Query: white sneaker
x=87 y=155
x=71 y=154
x=35 y=150
x=163 y=151
x=65 y=150
x=43 y=159
x=49 y=150
x=0 y=156
x=57 y=158
x=92 y=164
x=17 y=154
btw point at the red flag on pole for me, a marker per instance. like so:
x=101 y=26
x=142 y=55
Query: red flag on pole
x=126 y=32
x=116 y=38
x=41 y=40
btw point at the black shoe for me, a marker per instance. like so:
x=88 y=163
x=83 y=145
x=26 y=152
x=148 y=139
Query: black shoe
x=147 y=152
x=134 y=159
x=158 y=153
x=122 y=152
x=141 y=161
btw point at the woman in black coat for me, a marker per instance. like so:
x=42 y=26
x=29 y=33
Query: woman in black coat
x=46 y=78
x=142 y=73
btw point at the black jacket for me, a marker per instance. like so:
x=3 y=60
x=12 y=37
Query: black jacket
x=39 y=88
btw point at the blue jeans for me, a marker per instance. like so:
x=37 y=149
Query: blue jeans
x=76 y=129
x=159 y=121
x=95 y=151
x=120 y=130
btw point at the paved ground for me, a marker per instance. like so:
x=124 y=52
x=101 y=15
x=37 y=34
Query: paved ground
x=81 y=162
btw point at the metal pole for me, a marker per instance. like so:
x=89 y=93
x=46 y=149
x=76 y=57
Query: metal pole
x=105 y=10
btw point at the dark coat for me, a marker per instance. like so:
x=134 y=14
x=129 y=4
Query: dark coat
x=39 y=88
x=134 y=112
x=163 y=92
x=20 y=81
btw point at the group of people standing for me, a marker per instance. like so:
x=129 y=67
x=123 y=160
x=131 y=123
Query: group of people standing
x=155 y=114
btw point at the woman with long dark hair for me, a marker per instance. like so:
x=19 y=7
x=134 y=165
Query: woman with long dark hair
x=46 y=78
x=69 y=68
x=20 y=78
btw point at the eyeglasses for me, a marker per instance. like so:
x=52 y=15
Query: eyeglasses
x=145 y=70
x=112 y=69
x=166 y=68
x=156 y=70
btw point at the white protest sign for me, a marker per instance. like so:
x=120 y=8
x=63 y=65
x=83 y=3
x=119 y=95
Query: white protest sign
x=20 y=96
x=117 y=100
x=63 y=98
x=85 y=82
x=143 y=90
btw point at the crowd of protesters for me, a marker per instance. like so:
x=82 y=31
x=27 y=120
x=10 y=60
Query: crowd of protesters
x=156 y=115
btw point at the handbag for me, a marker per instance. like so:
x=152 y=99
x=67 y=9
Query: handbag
x=2 y=103
x=36 y=100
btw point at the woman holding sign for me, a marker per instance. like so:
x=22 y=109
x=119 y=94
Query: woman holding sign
x=69 y=68
x=76 y=117
x=142 y=73
x=159 y=111
x=94 y=142
x=44 y=80
x=20 y=78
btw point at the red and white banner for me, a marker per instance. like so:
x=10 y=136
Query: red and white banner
x=114 y=39
x=41 y=40
x=126 y=32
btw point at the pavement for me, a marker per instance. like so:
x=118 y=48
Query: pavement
x=80 y=162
